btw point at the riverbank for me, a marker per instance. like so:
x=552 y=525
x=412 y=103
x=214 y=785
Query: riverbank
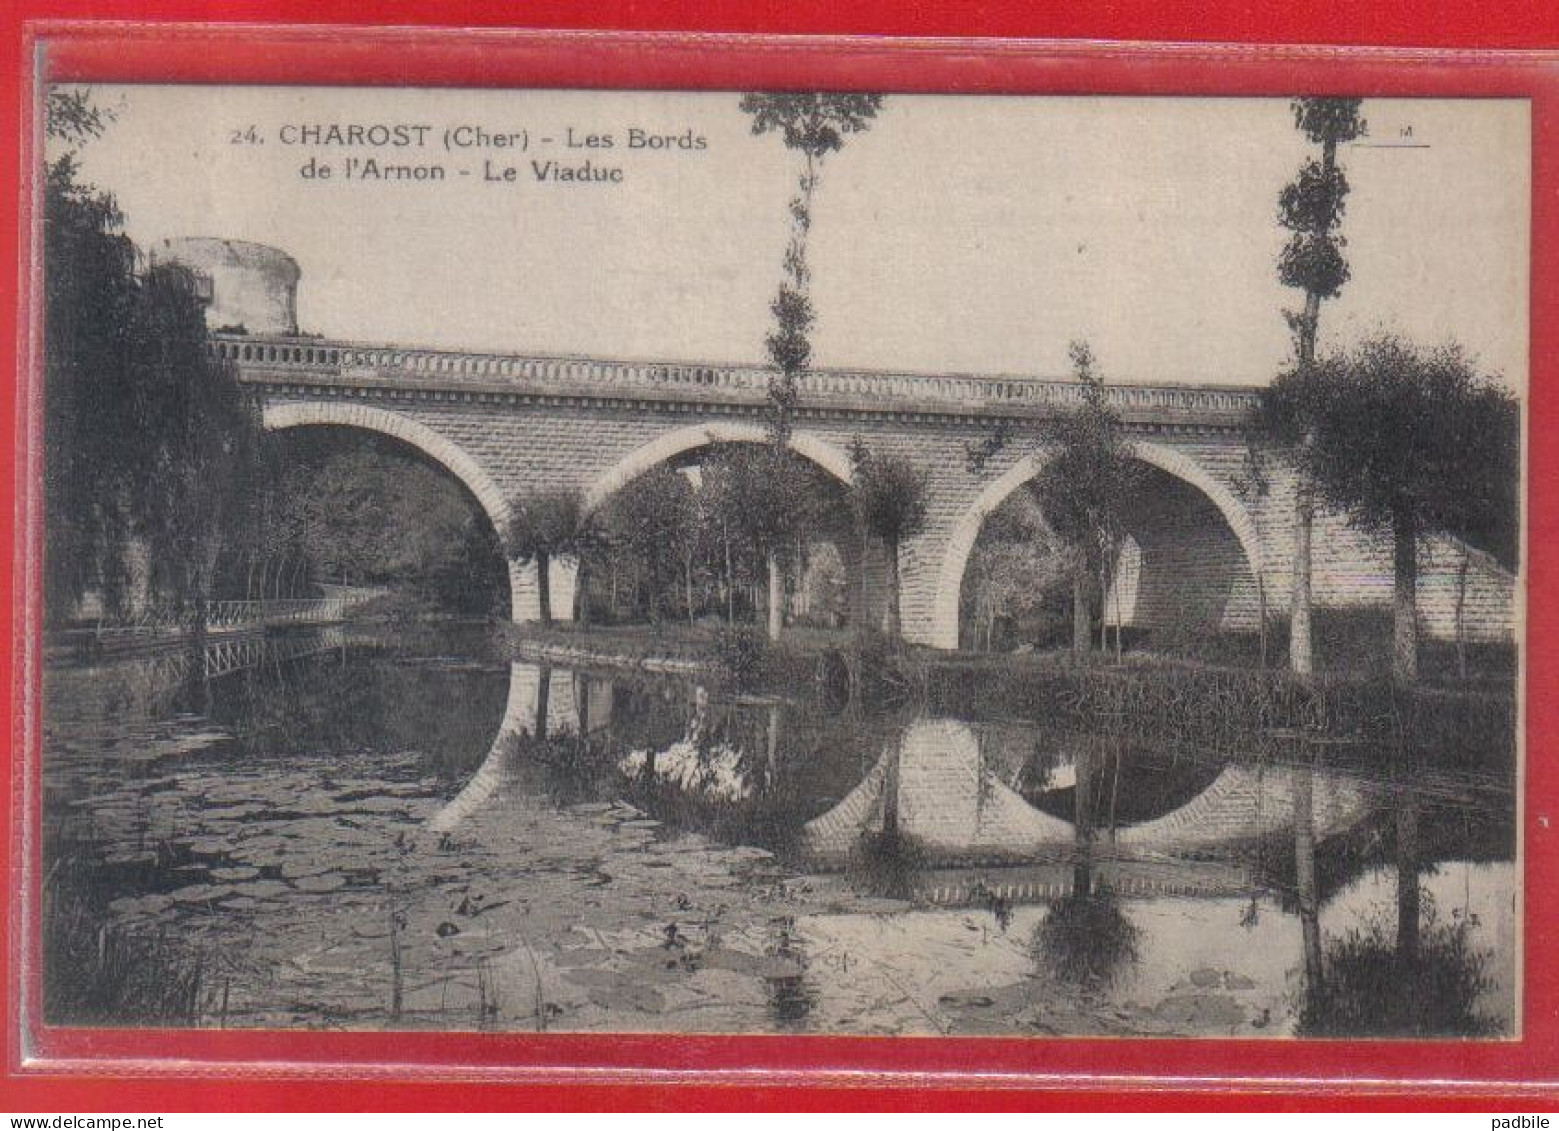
x=736 y=656
x=1187 y=701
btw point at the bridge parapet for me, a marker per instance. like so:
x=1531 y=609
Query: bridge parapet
x=318 y=361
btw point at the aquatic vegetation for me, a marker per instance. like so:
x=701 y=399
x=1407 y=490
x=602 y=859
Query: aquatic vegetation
x=98 y=971
x=1370 y=989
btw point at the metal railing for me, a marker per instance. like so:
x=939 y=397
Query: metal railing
x=227 y=616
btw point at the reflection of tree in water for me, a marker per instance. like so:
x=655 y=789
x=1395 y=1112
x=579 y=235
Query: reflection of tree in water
x=360 y=700
x=884 y=863
x=567 y=764
x=1422 y=981
x=790 y=995
x=1374 y=988
x=1086 y=940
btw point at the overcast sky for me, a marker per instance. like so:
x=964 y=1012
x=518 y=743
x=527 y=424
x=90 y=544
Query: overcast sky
x=957 y=235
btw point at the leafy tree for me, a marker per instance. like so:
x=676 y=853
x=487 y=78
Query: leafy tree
x=764 y=499
x=547 y=525
x=1311 y=207
x=814 y=124
x=653 y=522
x=198 y=436
x=888 y=496
x=149 y=441
x=1083 y=488
x=1408 y=442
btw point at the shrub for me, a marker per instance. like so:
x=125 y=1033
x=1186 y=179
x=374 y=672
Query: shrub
x=740 y=651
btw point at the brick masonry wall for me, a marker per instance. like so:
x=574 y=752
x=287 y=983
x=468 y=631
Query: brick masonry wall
x=1194 y=567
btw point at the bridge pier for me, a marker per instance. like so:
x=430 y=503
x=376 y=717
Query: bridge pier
x=525 y=591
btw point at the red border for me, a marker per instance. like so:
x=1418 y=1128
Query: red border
x=152 y=1070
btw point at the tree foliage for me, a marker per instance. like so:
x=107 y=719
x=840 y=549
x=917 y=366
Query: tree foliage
x=888 y=496
x=554 y=523
x=815 y=125
x=149 y=441
x=697 y=539
x=551 y=524
x=1324 y=120
x=1400 y=431
x=371 y=513
x=1015 y=570
x=1089 y=478
x=651 y=529
x=1406 y=441
x=1311 y=207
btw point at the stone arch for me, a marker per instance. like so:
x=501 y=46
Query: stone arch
x=955 y=558
x=443 y=451
x=829 y=457
x=440 y=449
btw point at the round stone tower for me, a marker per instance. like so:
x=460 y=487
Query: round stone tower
x=252 y=285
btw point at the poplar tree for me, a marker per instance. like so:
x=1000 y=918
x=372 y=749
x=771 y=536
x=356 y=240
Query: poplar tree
x=1311 y=207
x=815 y=125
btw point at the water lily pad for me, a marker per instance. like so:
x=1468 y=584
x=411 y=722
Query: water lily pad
x=317 y=883
x=629 y=995
x=1194 y=1013
x=295 y=869
x=201 y=893
x=966 y=1000
x=262 y=889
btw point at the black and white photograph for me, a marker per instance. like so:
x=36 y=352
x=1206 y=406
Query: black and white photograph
x=781 y=562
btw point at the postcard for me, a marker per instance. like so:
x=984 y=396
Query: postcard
x=796 y=563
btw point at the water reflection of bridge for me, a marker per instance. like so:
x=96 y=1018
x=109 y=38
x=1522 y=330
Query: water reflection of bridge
x=537 y=703
x=935 y=790
x=935 y=786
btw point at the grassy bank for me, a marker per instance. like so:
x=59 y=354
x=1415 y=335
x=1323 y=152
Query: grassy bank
x=1236 y=709
x=736 y=657
x=97 y=971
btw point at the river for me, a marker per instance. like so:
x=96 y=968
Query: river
x=354 y=831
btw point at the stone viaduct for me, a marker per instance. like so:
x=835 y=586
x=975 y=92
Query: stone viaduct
x=1206 y=552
